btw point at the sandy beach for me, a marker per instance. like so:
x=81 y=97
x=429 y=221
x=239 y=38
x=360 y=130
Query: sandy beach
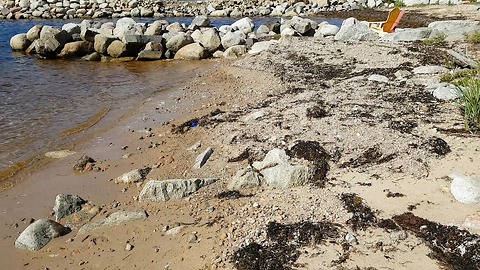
x=382 y=153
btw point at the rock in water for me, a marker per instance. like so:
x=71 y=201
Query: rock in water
x=114 y=219
x=134 y=176
x=66 y=205
x=19 y=42
x=39 y=233
x=162 y=191
x=465 y=189
x=202 y=158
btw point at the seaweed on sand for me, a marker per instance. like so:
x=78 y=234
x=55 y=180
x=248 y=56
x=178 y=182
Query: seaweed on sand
x=455 y=248
x=315 y=153
x=231 y=195
x=437 y=146
x=372 y=155
x=363 y=216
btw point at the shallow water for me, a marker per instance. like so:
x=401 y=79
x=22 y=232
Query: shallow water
x=41 y=99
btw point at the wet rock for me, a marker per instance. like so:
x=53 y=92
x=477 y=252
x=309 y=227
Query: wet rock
x=82 y=163
x=93 y=57
x=76 y=49
x=202 y=158
x=40 y=233
x=59 y=154
x=116 y=218
x=134 y=176
x=51 y=41
x=352 y=29
x=161 y=191
x=66 y=204
x=193 y=51
x=19 y=42
x=465 y=189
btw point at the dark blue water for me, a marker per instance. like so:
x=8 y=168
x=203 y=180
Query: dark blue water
x=39 y=99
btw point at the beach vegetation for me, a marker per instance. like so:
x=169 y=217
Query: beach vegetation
x=436 y=41
x=399 y=4
x=469 y=92
x=457 y=77
x=474 y=37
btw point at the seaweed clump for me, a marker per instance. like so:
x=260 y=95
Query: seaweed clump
x=315 y=153
x=363 y=216
x=455 y=248
x=372 y=155
x=281 y=251
x=437 y=146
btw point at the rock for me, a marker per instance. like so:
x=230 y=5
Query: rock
x=415 y=2
x=77 y=219
x=321 y=3
x=401 y=74
x=210 y=39
x=161 y=191
x=263 y=29
x=193 y=51
x=445 y=92
x=301 y=25
x=352 y=29
x=72 y=28
x=117 y=49
x=202 y=158
x=220 y=13
x=134 y=176
x=82 y=163
x=274 y=157
x=192 y=238
x=415 y=34
x=472 y=221
x=88 y=34
x=156 y=28
x=201 y=21
x=288 y=32
x=116 y=218
x=102 y=42
x=40 y=233
x=233 y=38
x=350 y=238
x=261 y=46
x=175 y=28
x=59 y=154
x=329 y=30
x=274 y=27
x=245 y=25
x=378 y=78
x=148 y=55
x=246 y=178
x=125 y=26
x=128 y=247
x=235 y=51
x=19 y=42
x=154 y=46
x=93 y=57
x=178 y=41
x=429 y=70
x=76 y=49
x=465 y=189
x=462 y=60
x=34 y=32
x=66 y=205
x=51 y=41
x=455 y=29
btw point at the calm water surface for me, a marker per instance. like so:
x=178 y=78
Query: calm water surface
x=40 y=99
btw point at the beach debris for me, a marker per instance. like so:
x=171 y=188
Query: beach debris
x=437 y=146
x=454 y=248
x=316 y=154
x=59 y=154
x=363 y=216
x=134 y=176
x=114 y=219
x=40 y=233
x=164 y=190
x=66 y=204
x=317 y=111
x=202 y=158
x=403 y=126
x=81 y=164
x=372 y=155
x=128 y=247
x=465 y=189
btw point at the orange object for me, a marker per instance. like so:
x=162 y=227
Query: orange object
x=390 y=24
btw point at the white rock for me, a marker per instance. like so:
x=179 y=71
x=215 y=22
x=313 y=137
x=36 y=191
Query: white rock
x=162 y=191
x=465 y=189
x=261 y=46
x=40 y=233
x=59 y=154
x=134 y=176
x=378 y=78
x=202 y=158
x=429 y=70
x=245 y=25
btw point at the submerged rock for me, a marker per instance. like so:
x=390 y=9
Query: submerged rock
x=40 y=233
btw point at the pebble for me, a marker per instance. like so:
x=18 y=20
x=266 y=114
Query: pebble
x=192 y=238
x=128 y=247
x=350 y=238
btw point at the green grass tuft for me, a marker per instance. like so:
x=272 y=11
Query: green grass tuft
x=457 y=77
x=436 y=41
x=398 y=4
x=473 y=37
x=469 y=90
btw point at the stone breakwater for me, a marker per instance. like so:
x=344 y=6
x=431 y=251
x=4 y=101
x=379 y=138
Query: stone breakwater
x=69 y=9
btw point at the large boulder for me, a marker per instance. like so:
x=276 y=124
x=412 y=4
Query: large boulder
x=455 y=29
x=161 y=191
x=149 y=55
x=175 y=28
x=117 y=49
x=246 y=178
x=200 y=21
x=210 y=39
x=465 y=189
x=51 y=41
x=413 y=34
x=66 y=205
x=352 y=29
x=72 y=28
x=193 y=51
x=116 y=218
x=329 y=30
x=233 y=38
x=245 y=25
x=261 y=46
x=19 y=42
x=102 y=42
x=34 y=32
x=76 y=49
x=40 y=233
x=126 y=26
x=235 y=51
x=301 y=25
x=178 y=41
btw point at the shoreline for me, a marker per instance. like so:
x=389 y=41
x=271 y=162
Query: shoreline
x=290 y=93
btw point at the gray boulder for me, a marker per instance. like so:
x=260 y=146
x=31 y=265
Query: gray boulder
x=19 y=42
x=263 y=29
x=51 y=42
x=301 y=25
x=78 y=219
x=235 y=51
x=329 y=30
x=72 y=28
x=462 y=60
x=201 y=21
x=102 y=42
x=443 y=91
x=148 y=55
x=40 y=233
x=429 y=70
x=126 y=26
x=175 y=28
x=465 y=189
x=414 y=34
x=116 y=218
x=133 y=176
x=66 y=205
x=34 y=32
x=210 y=39
x=88 y=34
x=156 y=28
x=233 y=38
x=352 y=29
x=378 y=78
x=76 y=49
x=161 y=191
x=117 y=49
x=455 y=29
x=246 y=178
x=261 y=46
x=193 y=51
x=178 y=41
x=245 y=25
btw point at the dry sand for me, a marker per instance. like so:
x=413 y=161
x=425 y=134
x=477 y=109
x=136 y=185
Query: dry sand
x=396 y=119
